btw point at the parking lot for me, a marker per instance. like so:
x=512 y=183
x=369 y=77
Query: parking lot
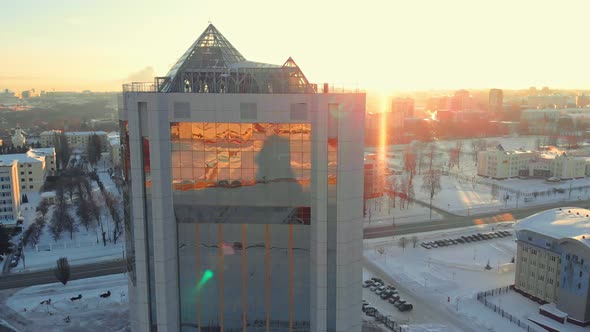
x=465 y=239
x=389 y=310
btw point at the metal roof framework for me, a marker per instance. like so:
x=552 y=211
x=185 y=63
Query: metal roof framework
x=213 y=65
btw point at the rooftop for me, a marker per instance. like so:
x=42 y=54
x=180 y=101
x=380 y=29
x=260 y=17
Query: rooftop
x=558 y=223
x=20 y=158
x=213 y=65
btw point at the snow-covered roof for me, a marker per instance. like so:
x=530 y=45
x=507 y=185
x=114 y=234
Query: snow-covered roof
x=20 y=158
x=43 y=151
x=559 y=223
x=84 y=133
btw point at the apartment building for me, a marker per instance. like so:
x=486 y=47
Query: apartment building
x=78 y=140
x=9 y=192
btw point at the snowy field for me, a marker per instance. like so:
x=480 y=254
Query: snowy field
x=90 y=313
x=381 y=213
x=449 y=277
x=465 y=193
x=84 y=247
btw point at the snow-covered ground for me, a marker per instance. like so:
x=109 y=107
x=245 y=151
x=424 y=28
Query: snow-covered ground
x=465 y=193
x=84 y=247
x=90 y=313
x=381 y=213
x=449 y=277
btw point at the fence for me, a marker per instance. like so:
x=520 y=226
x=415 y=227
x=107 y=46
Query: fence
x=482 y=297
x=69 y=244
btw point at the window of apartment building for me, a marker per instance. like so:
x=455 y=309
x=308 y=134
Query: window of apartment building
x=580 y=274
x=579 y=285
x=28 y=165
x=533 y=274
x=550 y=281
x=31 y=179
x=30 y=172
x=22 y=180
x=22 y=173
x=23 y=187
x=557 y=283
x=582 y=261
x=30 y=187
x=530 y=238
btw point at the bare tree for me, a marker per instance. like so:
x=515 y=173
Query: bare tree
x=43 y=207
x=410 y=162
x=431 y=185
x=430 y=154
x=459 y=147
x=414 y=241
x=494 y=190
x=62 y=270
x=402 y=242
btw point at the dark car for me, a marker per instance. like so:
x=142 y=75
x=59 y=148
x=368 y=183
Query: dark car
x=405 y=307
x=379 y=280
x=371 y=311
x=459 y=240
x=399 y=303
x=394 y=298
x=385 y=295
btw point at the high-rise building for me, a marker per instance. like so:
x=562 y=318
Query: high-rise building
x=496 y=100
x=245 y=192
x=401 y=109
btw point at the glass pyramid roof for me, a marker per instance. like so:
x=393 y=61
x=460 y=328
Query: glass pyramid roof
x=213 y=64
x=211 y=50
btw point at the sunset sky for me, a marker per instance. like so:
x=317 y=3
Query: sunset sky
x=382 y=45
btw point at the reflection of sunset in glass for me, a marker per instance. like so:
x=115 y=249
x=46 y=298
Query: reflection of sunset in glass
x=384 y=46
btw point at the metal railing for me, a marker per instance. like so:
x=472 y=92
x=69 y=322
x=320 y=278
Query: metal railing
x=482 y=297
x=139 y=87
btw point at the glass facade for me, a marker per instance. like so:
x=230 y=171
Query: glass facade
x=260 y=171
x=242 y=205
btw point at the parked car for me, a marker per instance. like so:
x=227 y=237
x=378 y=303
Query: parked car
x=405 y=307
x=425 y=246
x=460 y=240
x=371 y=311
x=394 y=298
x=379 y=280
x=398 y=303
x=368 y=283
x=386 y=294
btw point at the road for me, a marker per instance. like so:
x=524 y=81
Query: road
x=17 y=280
x=454 y=221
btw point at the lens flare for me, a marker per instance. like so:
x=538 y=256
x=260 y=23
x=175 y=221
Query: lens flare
x=206 y=277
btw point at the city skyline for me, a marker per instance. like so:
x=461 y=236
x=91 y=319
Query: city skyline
x=398 y=46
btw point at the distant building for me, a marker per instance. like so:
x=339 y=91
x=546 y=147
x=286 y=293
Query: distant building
x=543 y=101
x=500 y=164
x=114 y=149
x=582 y=101
x=461 y=101
x=496 y=101
x=9 y=192
x=18 y=139
x=7 y=97
x=77 y=140
x=553 y=262
x=375 y=176
x=401 y=109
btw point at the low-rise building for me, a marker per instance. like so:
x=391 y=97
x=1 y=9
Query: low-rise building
x=115 y=149
x=501 y=164
x=77 y=140
x=32 y=167
x=553 y=260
